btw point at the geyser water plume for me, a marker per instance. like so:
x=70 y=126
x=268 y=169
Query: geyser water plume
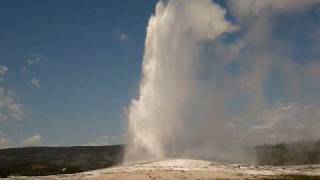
x=173 y=44
x=203 y=89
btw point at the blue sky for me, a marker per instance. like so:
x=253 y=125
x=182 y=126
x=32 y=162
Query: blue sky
x=75 y=65
x=90 y=55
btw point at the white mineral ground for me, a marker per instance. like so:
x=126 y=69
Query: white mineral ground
x=187 y=169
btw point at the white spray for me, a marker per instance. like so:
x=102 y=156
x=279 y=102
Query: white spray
x=187 y=90
x=173 y=42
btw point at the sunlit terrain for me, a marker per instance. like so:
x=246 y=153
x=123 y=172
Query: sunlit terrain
x=192 y=169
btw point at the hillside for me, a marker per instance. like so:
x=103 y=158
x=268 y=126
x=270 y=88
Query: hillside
x=38 y=161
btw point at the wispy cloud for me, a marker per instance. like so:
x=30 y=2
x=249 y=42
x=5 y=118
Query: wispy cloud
x=104 y=141
x=251 y=8
x=32 y=141
x=124 y=37
x=36 y=58
x=9 y=107
x=33 y=60
x=35 y=82
x=3 y=70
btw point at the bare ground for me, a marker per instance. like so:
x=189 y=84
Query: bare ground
x=183 y=169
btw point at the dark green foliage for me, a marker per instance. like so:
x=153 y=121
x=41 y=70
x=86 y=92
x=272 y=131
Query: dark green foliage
x=39 y=161
x=288 y=154
x=36 y=170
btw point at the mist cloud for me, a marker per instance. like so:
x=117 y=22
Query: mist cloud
x=251 y=8
x=172 y=50
x=286 y=123
x=195 y=72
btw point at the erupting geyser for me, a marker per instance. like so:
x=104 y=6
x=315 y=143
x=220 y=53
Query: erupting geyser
x=203 y=88
x=174 y=37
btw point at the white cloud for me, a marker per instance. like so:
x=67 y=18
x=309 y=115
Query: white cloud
x=4 y=142
x=31 y=61
x=124 y=37
x=9 y=107
x=104 y=141
x=3 y=70
x=35 y=82
x=32 y=141
x=247 y=8
x=35 y=58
